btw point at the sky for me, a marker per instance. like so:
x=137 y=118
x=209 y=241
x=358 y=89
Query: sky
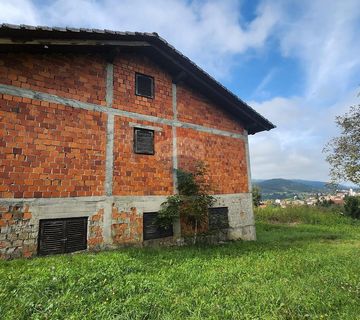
x=295 y=62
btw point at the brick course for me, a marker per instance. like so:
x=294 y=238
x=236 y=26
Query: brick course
x=74 y=76
x=194 y=107
x=50 y=150
x=139 y=174
x=224 y=157
x=125 y=67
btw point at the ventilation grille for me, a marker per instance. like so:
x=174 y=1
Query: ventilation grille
x=144 y=141
x=218 y=218
x=152 y=230
x=62 y=235
x=144 y=85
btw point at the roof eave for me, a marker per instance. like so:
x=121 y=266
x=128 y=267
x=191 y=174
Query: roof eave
x=252 y=121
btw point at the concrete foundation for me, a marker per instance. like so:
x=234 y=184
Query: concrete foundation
x=113 y=221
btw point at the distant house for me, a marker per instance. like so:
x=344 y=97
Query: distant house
x=93 y=124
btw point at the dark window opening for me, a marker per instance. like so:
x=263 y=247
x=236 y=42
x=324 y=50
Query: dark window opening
x=218 y=218
x=151 y=230
x=62 y=235
x=144 y=85
x=144 y=141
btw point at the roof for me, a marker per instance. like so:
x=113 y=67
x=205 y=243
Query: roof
x=25 y=37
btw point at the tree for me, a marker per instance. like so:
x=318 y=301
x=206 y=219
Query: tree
x=352 y=207
x=343 y=152
x=256 y=196
x=191 y=203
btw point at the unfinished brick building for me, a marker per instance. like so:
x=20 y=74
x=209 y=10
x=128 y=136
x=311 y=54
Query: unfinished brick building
x=93 y=124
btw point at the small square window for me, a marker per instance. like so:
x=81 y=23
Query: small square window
x=144 y=85
x=144 y=141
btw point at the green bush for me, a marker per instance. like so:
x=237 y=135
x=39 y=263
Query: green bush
x=192 y=201
x=352 y=207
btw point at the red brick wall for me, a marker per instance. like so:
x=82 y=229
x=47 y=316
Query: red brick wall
x=225 y=158
x=195 y=108
x=138 y=174
x=74 y=76
x=125 y=67
x=50 y=150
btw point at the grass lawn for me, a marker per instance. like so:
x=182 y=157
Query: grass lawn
x=305 y=265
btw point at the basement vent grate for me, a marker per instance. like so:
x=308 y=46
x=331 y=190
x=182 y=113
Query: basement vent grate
x=218 y=218
x=62 y=235
x=152 y=230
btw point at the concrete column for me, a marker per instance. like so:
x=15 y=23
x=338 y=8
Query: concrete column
x=109 y=162
x=176 y=226
x=174 y=138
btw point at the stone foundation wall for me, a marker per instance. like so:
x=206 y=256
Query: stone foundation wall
x=18 y=232
x=113 y=222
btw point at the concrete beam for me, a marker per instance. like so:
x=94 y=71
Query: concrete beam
x=141 y=126
x=36 y=95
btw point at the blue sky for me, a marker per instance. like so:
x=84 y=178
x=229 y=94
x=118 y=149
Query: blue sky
x=296 y=62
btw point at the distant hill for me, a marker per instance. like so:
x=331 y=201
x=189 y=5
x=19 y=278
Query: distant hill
x=284 y=185
x=315 y=184
x=285 y=188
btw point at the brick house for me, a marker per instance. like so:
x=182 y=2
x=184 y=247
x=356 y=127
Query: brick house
x=93 y=124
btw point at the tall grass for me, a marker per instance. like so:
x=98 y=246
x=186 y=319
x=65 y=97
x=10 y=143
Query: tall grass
x=304 y=265
x=303 y=215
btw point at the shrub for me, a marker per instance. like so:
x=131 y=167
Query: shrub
x=256 y=196
x=352 y=207
x=191 y=203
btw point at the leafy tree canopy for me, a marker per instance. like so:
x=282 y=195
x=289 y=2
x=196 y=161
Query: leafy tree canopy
x=343 y=152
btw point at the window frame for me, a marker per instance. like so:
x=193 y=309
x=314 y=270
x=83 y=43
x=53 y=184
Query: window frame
x=137 y=74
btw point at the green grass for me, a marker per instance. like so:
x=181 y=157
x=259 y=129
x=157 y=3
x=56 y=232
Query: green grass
x=303 y=266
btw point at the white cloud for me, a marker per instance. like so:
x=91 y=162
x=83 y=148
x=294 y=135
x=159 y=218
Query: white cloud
x=260 y=90
x=209 y=32
x=324 y=36
x=18 y=12
x=294 y=148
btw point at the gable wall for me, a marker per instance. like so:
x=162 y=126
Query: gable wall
x=194 y=107
x=125 y=67
x=74 y=76
x=51 y=147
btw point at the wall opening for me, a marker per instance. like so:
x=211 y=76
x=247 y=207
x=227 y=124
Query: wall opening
x=151 y=230
x=62 y=235
x=218 y=218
